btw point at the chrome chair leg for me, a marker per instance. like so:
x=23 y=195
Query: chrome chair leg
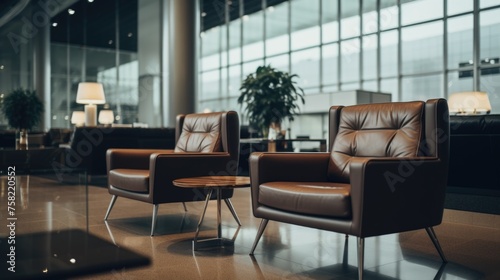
x=435 y=241
x=111 y=204
x=361 y=257
x=231 y=208
x=262 y=227
x=185 y=208
x=345 y=257
x=153 y=222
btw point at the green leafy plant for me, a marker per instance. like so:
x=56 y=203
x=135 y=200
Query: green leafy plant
x=22 y=108
x=269 y=96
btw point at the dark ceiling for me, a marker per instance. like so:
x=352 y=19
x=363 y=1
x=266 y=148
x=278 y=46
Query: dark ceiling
x=6 y=5
x=94 y=23
x=213 y=12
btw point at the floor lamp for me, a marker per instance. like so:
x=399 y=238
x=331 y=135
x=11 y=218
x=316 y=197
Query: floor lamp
x=90 y=94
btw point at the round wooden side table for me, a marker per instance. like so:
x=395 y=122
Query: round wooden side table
x=216 y=183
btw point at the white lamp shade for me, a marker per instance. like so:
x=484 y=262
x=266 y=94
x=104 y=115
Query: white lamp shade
x=90 y=93
x=471 y=102
x=106 y=117
x=78 y=117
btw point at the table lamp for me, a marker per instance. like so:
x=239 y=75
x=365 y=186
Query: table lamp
x=78 y=118
x=106 y=117
x=469 y=103
x=90 y=94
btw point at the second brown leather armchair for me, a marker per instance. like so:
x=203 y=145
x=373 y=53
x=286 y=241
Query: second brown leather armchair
x=386 y=173
x=206 y=144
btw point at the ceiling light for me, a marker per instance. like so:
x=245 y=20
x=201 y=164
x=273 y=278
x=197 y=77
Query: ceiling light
x=71 y=11
x=129 y=34
x=54 y=24
x=2 y=67
x=110 y=42
x=203 y=14
x=90 y=1
x=246 y=18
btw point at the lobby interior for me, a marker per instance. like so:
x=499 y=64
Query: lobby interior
x=128 y=46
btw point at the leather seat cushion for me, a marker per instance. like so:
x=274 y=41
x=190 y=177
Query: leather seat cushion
x=134 y=180
x=311 y=198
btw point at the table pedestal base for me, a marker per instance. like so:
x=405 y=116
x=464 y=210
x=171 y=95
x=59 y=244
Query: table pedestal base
x=212 y=242
x=218 y=241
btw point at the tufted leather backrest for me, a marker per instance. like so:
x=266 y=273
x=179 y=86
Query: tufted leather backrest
x=374 y=130
x=200 y=133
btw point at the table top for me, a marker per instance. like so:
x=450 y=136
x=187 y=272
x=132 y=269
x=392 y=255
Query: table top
x=213 y=181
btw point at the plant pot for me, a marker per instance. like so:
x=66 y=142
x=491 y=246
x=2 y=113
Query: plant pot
x=22 y=139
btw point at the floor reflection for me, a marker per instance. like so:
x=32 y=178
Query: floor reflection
x=470 y=241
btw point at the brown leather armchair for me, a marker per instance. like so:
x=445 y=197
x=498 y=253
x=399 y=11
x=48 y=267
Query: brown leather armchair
x=207 y=144
x=386 y=173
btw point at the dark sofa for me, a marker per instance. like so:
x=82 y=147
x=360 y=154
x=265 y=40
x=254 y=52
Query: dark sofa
x=88 y=145
x=474 y=174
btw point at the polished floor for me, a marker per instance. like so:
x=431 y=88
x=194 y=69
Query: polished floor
x=471 y=241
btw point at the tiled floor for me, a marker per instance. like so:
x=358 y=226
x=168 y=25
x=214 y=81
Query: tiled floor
x=471 y=241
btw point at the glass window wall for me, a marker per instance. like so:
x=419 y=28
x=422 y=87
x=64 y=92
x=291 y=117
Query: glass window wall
x=377 y=45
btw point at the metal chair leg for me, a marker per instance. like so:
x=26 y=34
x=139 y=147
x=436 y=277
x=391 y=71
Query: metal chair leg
x=111 y=204
x=345 y=257
x=361 y=257
x=231 y=208
x=435 y=241
x=185 y=208
x=153 y=222
x=262 y=227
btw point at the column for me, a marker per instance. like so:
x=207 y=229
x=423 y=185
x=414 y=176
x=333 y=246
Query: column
x=42 y=73
x=183 y=23
x=150 y=67
x=168 y=56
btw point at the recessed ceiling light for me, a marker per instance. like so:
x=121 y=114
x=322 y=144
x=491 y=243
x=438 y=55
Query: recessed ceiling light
x=203 y=14
x=90 y=1
x=71 y=11
x=110 y=42
x=129 y=34
x=2 y=67
x=54 y=24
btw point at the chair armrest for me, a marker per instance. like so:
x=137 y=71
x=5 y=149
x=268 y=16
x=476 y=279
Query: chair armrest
x=130 y=158
x=194 y=164
x=273 y=167
x=164 y=168
x=392 y=195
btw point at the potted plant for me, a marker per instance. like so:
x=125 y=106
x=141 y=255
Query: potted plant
x=23 y=110
x=270 y=96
